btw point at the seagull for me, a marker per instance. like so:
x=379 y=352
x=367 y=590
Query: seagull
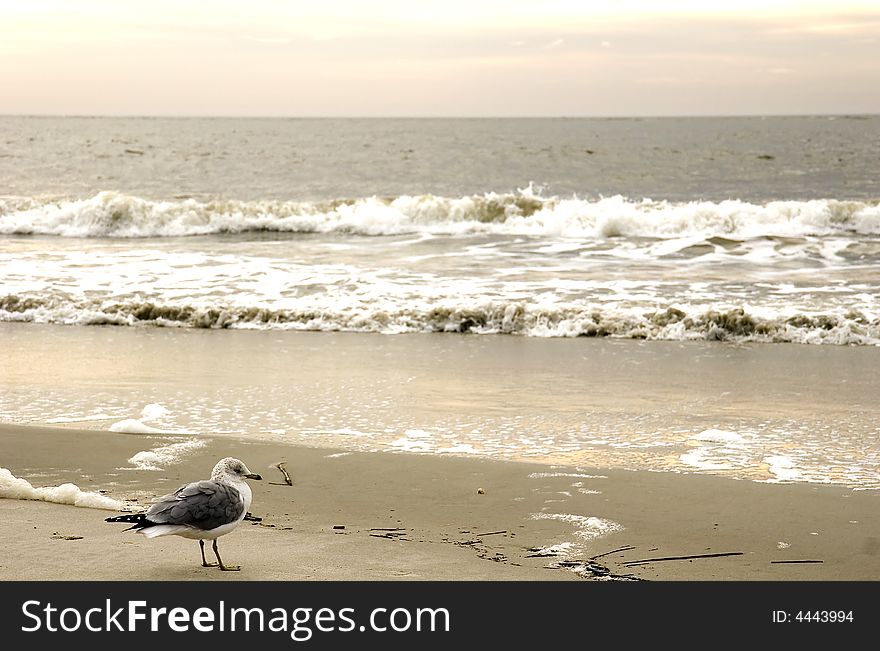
x=203 y=510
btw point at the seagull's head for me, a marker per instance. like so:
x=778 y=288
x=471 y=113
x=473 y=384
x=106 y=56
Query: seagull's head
x=232 y=468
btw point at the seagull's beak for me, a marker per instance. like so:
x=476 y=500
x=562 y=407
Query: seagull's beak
x=252 y=475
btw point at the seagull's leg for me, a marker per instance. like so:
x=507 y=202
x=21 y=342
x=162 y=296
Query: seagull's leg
x=225 y=568
x=205 y=563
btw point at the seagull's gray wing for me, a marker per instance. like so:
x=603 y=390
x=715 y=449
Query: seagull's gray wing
x=203 y=505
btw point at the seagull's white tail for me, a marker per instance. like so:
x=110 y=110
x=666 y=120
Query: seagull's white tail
x=165 y=530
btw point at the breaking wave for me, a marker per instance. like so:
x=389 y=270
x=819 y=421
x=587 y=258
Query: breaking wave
x=115 y=215
x=670 y=324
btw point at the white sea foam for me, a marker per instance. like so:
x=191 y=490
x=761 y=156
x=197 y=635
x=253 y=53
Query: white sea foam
x=16 y=488
x=543 y=475
x=151 y=412
x=701 y=458
x=718 y=436
x=783 y=468
x=559 y=549
x=587 y=527
x=78 y=419
x=459 y=448
x=717 y=449
x=133 y=426
x=414 y=440
x=339 y=431
x=165 y=455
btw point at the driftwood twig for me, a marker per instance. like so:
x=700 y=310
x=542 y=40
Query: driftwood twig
x=287 y=480
x=680 y=558
x=393 y=534
x=619 y=549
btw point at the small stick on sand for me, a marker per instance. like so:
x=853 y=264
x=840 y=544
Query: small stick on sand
x=619 y=549
x=491 y=533
x=680 y=558
x=287 y=479
x=799 y=561
x=391 y=535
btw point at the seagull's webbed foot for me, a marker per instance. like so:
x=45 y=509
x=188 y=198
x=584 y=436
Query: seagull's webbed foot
x=205 y=562
x=225 y=568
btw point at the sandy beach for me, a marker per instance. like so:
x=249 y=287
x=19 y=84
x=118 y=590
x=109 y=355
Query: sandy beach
x=403 y=516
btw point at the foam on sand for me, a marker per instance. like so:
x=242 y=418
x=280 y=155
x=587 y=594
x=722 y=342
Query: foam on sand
x=164 y=455
x=133 y=426
x=544 y=475
x=150 y=412
x=586 y=527
x=16 y=488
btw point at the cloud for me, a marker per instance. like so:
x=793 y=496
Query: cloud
x=424 y=59
x=266 y=39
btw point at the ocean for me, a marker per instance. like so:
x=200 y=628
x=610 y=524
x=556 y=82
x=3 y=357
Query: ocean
x=548 y=289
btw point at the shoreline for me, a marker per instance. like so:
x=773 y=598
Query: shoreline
x=407 y=516
x=758 y=412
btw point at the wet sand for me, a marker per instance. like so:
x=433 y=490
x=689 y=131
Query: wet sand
x=399 y=516
x=759 y=412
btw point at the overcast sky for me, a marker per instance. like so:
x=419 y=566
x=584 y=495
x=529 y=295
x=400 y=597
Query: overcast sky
x=447 y=58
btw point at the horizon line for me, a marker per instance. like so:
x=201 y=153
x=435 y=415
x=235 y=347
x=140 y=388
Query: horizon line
x=634 y=116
